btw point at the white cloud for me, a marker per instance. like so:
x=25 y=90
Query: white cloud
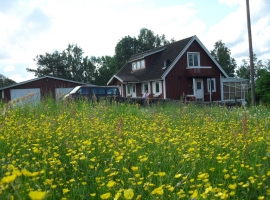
x=9 y=68
x=97 y=26
x=19 y=78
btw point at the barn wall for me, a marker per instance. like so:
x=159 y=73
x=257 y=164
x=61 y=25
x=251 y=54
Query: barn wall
x=47 y=87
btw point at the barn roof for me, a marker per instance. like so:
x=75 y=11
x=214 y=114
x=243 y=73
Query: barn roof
x=43 y=77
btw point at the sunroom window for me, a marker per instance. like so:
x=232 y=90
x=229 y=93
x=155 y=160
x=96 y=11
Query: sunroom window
x=235 y=90
x=193 y=59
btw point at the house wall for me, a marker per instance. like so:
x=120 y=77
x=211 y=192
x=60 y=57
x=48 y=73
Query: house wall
x=148 y=60
x=47 y=87
x=180 y=79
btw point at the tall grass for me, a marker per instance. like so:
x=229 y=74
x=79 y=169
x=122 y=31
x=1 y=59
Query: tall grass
x=88 y=150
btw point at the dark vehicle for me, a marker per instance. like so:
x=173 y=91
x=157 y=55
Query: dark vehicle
x=94 y=93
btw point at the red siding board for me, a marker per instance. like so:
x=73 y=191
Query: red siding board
x=179 y=80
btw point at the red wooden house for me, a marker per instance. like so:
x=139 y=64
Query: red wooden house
x=183 y=68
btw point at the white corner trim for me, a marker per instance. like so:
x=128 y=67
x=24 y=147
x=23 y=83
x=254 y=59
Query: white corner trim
x=114 y=76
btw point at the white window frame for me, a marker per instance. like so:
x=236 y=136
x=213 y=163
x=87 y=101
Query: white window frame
x=154 y=87
x=130 y=88
x=139 y=64
x=214 y=84
x=193 y=54
x=143 y=88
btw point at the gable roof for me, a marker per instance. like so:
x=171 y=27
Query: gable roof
x=156 y=71
x=36 y=79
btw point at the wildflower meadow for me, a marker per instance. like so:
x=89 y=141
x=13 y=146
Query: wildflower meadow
x=87 y=150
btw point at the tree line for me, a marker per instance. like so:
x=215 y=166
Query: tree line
x=71 y=64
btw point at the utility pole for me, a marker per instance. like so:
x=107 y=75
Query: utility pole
x=250 y=56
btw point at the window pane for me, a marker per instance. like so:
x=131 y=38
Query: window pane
x=145 y=87
x=199 y=85
x=225 y=87
x=133 y=66
x=196 y=60
x=134 y=88
x=190 y=60
x=138 y=65
x=142 y=63
x=157 y=86
x=128 y=89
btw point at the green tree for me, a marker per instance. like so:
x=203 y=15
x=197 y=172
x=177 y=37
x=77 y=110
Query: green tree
x=263 y=86
x=70 y=64
x=222 y=55
x=4 y=81
x=148 y=40
x=244 y=70
x=106 y=67
x=124 y=49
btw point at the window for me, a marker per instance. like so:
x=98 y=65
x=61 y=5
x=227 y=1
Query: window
x=157 y=88
x=235 y=90
x=128 y=90
x=193 y=59
x=146 y=86
x=134 y=66
x=211 y=84
x=138 y=65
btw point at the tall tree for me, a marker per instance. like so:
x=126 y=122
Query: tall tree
x=262 y=89
x=124 y=49
x=70 y=64
x=244 y=70
x=222 y=55
x=4 y=81
x=148 y=40
x=106 y=67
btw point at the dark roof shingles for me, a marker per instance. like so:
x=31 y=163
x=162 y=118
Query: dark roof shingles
x=154 y=70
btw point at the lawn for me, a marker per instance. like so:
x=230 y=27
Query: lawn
x=102 y=151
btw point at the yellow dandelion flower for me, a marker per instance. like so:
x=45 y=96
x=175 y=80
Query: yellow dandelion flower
x=232 y=186
x=268 y=173
x=93 y=194
x=158 y=191
x=111 y=184
x=139 y=197
x=128 y=194
x=260 y=197
x=105 y=196
x=65 y=190
x=37 y=195
x=8 y=179
x=177 y=175
x=134 y=168
x=144 y=159
x=118 y=158
x=161 y=174
x=194 y=194
x=226 y=176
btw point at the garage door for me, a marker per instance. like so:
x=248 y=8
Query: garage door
x=30 y=95
x=60 y=92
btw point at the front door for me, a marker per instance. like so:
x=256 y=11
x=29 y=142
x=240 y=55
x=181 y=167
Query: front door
x=133 y=90
x=199 y=89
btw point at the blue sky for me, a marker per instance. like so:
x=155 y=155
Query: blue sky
x=32 y=27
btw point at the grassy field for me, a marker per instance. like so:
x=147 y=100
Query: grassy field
x=99 y=151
